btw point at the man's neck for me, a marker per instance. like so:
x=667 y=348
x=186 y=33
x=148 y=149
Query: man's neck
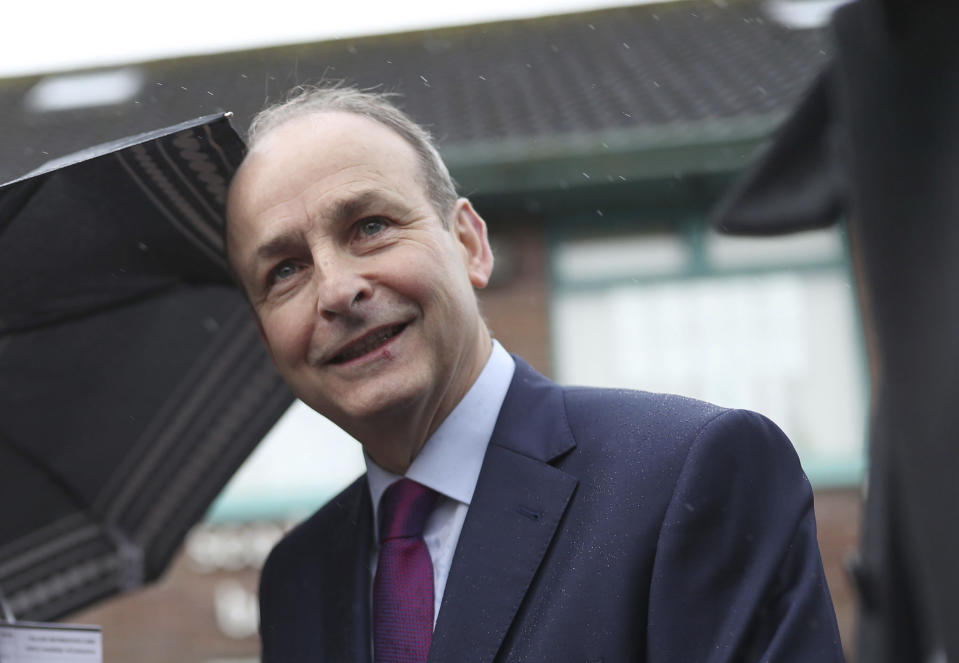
x=396 y=438
x=451 y=459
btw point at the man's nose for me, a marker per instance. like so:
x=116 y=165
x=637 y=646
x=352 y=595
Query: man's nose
x=340 y=287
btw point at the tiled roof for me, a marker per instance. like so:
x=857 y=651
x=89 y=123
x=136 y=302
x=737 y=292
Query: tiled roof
x=637 y=66
x=642 y=67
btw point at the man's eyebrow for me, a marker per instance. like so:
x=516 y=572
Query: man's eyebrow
x=354 y=206
x=280 y=245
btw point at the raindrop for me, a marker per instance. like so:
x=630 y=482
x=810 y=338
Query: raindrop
x=599 y=212
x=243 y=76
x=209 y=93
x=158 y=83
x=622 y=178
x=590 y=26
x=425 y=82
x=627 y=114
x=657 y=84
x=388 y=61
x=142 y=246
x=183 y=87
x=482 y=77
x=585 y=174
x=625 y=45
x=605 y=146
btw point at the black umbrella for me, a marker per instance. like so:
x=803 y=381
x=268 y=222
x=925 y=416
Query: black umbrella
x=878 y=138
x=132 y=379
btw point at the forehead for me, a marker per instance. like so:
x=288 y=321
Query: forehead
x=316 y=161
x=320 y=147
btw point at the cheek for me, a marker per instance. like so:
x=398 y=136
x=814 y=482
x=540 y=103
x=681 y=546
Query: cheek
x=436 y=289
x=442 y=276
x=450 y=299
x=288 y=338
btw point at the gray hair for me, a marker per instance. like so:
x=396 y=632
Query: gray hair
x=377 y=106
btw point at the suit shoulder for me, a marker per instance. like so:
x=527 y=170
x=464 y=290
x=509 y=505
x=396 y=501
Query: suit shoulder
x=338 y=515
x=621 y=412
x=666 y=425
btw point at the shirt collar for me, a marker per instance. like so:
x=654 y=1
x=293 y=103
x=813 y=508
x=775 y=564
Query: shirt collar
x=451 y=458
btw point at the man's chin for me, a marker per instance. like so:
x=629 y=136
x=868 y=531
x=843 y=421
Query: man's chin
x=362 y=410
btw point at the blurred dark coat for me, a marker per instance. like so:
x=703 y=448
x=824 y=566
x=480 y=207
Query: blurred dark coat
x=878 y=139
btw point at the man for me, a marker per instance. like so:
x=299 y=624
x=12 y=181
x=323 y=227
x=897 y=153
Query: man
x=556 y=524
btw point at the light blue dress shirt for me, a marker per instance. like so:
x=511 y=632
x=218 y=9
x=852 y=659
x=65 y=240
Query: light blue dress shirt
x=450 y=463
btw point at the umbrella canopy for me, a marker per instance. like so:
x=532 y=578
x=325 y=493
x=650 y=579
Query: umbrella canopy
x=132 y=379
x=878 y=138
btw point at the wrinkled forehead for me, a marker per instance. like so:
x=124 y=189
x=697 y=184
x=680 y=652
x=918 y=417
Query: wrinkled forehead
x=307 y=152
x=327 y=141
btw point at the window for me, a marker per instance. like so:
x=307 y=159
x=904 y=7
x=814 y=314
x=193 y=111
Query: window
x=767 y=324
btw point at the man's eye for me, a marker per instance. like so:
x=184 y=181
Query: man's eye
x=284 y=270
x=372 y=226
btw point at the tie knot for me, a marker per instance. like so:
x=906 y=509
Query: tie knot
x=404 y=508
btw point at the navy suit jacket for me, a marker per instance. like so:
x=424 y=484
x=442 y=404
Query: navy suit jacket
x=607 y=525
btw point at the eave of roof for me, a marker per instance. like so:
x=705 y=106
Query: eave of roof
x=615 y=155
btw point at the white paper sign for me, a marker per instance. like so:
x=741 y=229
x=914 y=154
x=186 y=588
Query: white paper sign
x=32 y=642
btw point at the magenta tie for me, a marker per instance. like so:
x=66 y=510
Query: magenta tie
x=403 y=587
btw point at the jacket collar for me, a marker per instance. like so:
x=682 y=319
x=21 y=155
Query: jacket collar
x=519 y=502
x=532 y=421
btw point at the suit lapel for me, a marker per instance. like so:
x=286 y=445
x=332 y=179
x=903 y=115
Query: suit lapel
x=518 y=504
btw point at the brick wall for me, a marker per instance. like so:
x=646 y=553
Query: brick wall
x=838 y=516
x=516 y=303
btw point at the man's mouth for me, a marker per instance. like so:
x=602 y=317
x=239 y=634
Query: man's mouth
x=367 y=343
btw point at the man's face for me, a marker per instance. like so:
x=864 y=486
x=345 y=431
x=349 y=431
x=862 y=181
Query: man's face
x=364 y=299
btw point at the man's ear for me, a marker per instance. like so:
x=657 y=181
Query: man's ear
x=470 y=230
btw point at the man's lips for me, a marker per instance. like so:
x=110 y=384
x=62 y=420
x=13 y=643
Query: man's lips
x=367 y=343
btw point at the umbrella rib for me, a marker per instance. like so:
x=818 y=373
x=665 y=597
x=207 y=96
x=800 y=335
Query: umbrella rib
x=222 y=432
x=44 y=548
x=8 y=615
x=173 y=417
x=205 y=171
x=217 y=145
x=192 y=232
x=14 y=199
